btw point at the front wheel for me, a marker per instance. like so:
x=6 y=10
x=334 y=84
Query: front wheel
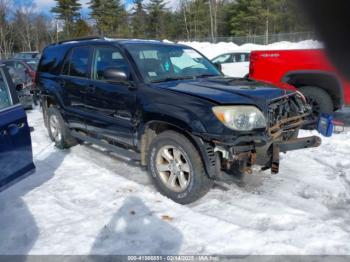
x=177 y=168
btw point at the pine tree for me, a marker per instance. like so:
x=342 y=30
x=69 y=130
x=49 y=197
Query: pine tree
x=67 y=11
x=82 y=28
x=110 y=16
x=138 y=20
x=155 y=11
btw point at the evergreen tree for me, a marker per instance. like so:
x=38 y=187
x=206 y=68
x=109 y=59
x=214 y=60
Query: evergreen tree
x=67 y=11
x=138 y=20
x=155 y=11
x=82 y=28
x=110 y=16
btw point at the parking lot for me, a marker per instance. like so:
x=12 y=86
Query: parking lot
x=88 y=201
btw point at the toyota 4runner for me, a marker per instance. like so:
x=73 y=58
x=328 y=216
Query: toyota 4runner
x=171 y=107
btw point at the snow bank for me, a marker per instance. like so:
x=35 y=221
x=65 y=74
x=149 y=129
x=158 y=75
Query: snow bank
x=212 y=50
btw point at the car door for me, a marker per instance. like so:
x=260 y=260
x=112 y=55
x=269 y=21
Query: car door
x=239 y=67
x=16 y=157
x=74 y=81
x=111 y=107
x=226 y=62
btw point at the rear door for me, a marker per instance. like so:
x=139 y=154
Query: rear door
x=75 y=80
x=239 y=67
x=16 y=158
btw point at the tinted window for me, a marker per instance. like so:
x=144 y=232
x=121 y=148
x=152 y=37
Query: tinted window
x=105 y=58
x=77 y=63
x=5 y=98
x=50 y=60
x=239 y=58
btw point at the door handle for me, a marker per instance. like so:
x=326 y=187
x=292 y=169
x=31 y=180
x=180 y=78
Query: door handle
x=91 y=89
x=63 y=83
x=13 y=129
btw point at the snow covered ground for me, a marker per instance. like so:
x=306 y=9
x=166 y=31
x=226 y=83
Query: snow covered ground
x=86 y=201
x=213 y=50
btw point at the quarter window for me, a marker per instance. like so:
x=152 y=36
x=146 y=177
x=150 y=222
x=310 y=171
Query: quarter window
x=5 y=98
x=77 y=65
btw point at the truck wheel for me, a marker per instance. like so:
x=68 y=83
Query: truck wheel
x=177 y=168
x=58 y=131
x=319 y=99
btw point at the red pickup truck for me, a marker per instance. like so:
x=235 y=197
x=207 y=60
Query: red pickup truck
x=308 y=71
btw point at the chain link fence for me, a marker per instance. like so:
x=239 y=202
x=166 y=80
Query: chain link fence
x=260 y=39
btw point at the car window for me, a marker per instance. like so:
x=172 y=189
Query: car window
x=158 y=62
x=19 y=66
x=186 y=60
x=5 y=97
x=77 y=64
x=227 y=58
x=106 y=58
x=240 y=58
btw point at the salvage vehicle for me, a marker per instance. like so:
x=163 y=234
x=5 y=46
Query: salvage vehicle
x=235 y=64
x=308 y=71
x=171 y=108
x=23 y=77
x=16 y=157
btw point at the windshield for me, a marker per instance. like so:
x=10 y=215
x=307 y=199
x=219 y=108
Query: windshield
x=159 y=63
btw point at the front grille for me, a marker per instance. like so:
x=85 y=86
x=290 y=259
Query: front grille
x=285 y=114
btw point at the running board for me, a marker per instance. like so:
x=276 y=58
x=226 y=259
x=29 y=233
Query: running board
x=115 y=149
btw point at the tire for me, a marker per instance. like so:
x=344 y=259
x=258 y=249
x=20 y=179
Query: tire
x=319 y=99
x=58 y=131
x=182 y=160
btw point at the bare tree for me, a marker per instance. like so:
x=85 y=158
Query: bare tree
x=6 y=32
x=183 y=6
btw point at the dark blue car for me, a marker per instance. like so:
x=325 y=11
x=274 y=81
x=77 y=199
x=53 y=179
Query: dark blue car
x=16 y=157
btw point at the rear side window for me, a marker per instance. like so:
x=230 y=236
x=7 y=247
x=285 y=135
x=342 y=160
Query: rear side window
x=239 y=58
x=5 y=97
x=77 y=64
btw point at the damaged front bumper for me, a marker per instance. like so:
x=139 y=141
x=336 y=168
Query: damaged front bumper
x=262 y=148
x=230 y=158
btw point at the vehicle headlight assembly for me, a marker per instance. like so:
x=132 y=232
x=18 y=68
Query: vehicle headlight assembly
x=240 y=118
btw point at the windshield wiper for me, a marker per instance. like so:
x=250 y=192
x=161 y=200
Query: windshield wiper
x=168 y=79
x=206 y=75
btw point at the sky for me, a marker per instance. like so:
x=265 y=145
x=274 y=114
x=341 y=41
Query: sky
x=46 y=5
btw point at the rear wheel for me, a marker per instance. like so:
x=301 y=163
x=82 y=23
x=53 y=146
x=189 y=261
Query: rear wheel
x=58 y=131
x=319 y=99
x=177 y=168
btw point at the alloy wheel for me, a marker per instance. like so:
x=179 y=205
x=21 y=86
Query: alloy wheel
x=55 y=128
x=173 y=168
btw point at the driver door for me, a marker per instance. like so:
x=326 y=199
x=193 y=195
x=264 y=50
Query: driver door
x=16 y=158
x=110 y=106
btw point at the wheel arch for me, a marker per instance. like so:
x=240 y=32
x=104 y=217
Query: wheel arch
x=153 y=128
x=327 y=81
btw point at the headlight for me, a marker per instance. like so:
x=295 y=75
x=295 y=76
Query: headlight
x=241 y=118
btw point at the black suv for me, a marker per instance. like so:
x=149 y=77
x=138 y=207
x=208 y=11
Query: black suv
x=167 y=103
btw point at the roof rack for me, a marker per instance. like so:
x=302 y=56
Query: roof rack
x=81 y=39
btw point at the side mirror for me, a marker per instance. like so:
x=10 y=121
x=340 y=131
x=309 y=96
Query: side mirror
x=218 y=66
x=115 y=75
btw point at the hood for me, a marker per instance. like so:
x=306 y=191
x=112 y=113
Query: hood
x=227 y=90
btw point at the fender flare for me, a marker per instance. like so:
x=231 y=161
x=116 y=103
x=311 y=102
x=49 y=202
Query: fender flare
x=336 y=91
